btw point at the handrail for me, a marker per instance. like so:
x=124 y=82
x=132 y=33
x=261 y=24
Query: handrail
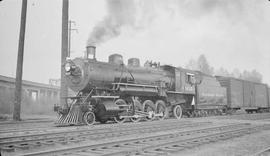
x=88 y=95
x=131 y=84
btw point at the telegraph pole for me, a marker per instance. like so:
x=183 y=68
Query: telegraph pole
x=69 y=37
x=19 y=70
x=64 y=53
x=69 y=34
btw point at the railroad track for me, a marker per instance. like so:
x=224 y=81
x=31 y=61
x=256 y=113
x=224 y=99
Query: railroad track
x=4 y=130
x=28 y=132
x=33 y=130
x=44 y=128
x=24 y=122
x=21 y=142
x=261 y=116
x=264 y=152
x=8 y=128
x=257 y=116
x=158 y=145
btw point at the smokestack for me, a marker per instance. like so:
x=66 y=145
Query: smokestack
x=90 y=50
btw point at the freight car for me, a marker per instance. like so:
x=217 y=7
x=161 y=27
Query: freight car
x=242 y=94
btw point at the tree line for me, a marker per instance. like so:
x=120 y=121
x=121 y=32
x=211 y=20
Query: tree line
x=201 y=64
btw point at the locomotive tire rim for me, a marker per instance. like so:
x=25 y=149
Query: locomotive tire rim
x=148 y=106
x=118 y=120
x=89 y=118
x=137 y=106
x=177 y=112
x=161 y=108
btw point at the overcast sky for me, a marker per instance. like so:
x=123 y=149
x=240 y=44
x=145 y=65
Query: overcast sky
x=231 y=33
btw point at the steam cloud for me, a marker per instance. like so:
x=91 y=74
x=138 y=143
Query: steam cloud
x=138 y=14
x=120 y=13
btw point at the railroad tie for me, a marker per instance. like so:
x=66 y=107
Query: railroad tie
x=171 y=149
x=9 y=148
x=22 y=146
x=155 y=152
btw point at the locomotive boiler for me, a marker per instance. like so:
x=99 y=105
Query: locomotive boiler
x=114 y=91
x=83 y=74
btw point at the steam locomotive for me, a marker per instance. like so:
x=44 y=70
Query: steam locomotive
x=114 y=91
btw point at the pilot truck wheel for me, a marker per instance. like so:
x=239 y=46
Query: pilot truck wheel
x=89 y=118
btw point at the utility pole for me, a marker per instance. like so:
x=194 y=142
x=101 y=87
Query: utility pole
x=64 y=53
x=19 y=70
x=69 y=34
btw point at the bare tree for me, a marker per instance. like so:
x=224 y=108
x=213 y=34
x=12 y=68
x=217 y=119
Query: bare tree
x=253 y=75
x=201 y=64
x=236 y=73
x=222 y=72
x=204 y=66
x=192 y=65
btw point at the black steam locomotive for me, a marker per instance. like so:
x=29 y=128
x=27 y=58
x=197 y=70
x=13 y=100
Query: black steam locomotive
x=114 y=91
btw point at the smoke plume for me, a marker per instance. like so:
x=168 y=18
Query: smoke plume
x=139 y=14
x=120 y=13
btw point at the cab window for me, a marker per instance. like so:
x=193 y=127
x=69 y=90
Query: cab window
x=190 y=78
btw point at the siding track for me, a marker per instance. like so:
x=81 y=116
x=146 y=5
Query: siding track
x=40 y=138
x=159 y=144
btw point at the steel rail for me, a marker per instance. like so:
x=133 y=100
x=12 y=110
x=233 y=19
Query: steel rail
x=263 y=152
x=132 y=144
x=81 y=135
x=23 y=129
x=178 y=145
x=25 y=122
x=118 y=126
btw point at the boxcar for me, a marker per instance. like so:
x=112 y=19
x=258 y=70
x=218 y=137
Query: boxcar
x=247 y=95
x=261 y=96
x=234 y=91
x=268 y=97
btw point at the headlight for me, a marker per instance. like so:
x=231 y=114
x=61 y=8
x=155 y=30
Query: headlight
x=67 y=67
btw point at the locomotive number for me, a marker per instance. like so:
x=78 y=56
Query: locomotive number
x=188 y=88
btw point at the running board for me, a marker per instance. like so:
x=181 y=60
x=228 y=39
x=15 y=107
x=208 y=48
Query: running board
x=140 y=114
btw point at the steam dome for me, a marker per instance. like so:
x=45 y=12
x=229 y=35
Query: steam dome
x=134 y=62
x=116 y=59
